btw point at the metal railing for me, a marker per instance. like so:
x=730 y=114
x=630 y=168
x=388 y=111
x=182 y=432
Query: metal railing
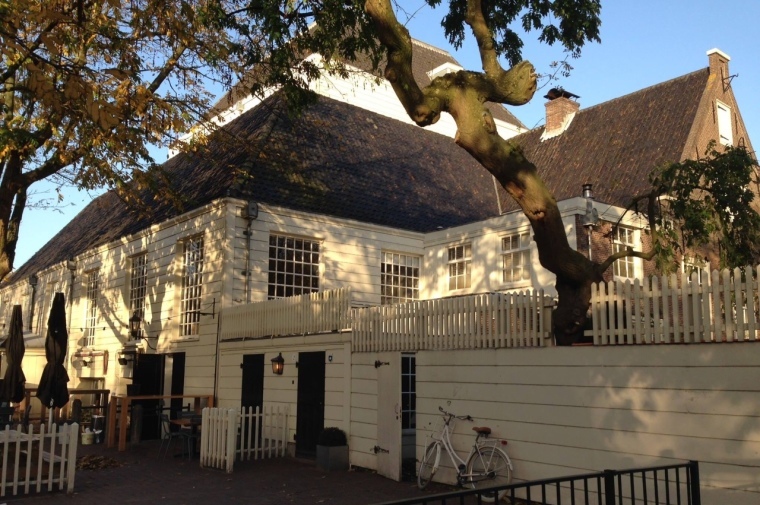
x=657 y=485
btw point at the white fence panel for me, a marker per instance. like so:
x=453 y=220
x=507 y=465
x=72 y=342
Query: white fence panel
x=38 y=461
x=491 y=320
x=319 y=312
x=227 y=434
x=674 y=309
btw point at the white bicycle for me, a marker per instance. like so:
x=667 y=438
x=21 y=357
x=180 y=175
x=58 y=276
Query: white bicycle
x=486 y=466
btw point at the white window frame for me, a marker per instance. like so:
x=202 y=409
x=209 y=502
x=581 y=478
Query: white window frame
x=294 y=266
x=459 y=262
x=624 y=237
x=691 y=264
x=399 y=277
x=725 y=124
x=192 y=286
x=138 y=284
x=516 y=258
x=92 y=292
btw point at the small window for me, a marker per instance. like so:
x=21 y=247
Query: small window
x=623 y=238
x=460 y=266
x=724 y=124
x=515 y=258
x=399 y=278
x=293 y=266
x=408 y=392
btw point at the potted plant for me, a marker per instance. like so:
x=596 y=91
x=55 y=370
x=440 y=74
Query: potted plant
x=332 y=449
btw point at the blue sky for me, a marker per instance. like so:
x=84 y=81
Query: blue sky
x=644 y=42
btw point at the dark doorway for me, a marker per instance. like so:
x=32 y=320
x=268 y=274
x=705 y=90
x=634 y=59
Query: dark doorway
x=177 y=361
x=147 y=379
x=252 y=388
x=252 y=392
x=310 y=418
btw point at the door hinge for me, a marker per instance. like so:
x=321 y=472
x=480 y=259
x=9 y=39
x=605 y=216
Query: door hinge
x=377 y=449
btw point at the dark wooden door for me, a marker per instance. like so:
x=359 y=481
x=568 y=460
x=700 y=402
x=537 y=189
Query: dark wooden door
x=252 y=388
x=178 y=382
x=310 y=417
x=148 y=376
x=252 y=392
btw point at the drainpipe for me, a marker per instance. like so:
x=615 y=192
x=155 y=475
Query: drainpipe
x=250 y=213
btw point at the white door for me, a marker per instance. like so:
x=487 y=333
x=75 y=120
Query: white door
x=388 y=448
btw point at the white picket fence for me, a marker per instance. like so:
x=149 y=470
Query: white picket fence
x=491 y=320
x=38 y=461
x=230 y=434
x=320 y=312
x=671 y=309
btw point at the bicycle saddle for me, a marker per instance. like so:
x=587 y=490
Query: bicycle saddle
x=482 y=430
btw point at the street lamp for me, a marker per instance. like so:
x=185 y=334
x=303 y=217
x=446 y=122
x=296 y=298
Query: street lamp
x=134 y=326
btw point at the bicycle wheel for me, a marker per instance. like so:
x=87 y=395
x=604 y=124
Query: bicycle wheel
x=489 y=468
x=428 y=465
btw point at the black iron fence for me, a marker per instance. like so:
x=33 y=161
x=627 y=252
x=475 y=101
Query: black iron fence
x=657 y=485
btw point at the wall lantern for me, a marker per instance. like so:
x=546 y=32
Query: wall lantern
x=278 y=364
x=134 y=326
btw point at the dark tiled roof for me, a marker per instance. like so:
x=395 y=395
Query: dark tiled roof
x=616 y=144
x=335 y=159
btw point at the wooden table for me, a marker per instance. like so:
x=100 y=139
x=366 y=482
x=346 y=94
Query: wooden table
x=189 y=422
x=125 y=401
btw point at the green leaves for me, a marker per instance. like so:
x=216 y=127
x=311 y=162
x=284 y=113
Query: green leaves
x=711 y=200
x=571 y=23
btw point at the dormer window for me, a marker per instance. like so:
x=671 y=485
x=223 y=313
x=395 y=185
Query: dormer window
x=724 y=124
x=443 y=70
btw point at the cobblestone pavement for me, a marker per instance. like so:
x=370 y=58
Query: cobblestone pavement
x=144 y=477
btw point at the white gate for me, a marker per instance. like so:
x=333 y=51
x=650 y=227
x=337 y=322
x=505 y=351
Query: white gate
x=251 y=434
x=38 y=461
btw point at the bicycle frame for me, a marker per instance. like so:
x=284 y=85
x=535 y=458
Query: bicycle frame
x=459 y=463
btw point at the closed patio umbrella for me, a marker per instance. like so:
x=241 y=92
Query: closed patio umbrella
x=12 y=389
x=53 y=390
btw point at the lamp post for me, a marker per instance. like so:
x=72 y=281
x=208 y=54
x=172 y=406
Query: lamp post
x=33 y=284
x=278 y=364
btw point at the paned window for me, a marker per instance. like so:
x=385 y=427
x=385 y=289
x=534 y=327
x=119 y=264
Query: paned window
x=192 y=284
x=91 y=315
x=515 y=258
x=408 y=392
x=138 y=285
x=460 y=266
x=623 y=238
x=724 y=124
x=293 y=266
x=399 y=278
x=691 y=265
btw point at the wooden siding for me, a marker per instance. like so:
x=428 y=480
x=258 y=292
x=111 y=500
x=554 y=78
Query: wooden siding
x=574 y=410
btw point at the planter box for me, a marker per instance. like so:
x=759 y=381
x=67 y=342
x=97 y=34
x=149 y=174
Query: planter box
x=332 y=458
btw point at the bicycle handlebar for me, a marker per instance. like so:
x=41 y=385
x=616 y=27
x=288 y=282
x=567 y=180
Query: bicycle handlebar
x=452 y=415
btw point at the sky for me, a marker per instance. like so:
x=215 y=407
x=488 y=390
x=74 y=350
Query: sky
x=644 y=42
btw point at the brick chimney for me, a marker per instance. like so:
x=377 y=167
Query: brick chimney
x=560 y=111
x=718 y=63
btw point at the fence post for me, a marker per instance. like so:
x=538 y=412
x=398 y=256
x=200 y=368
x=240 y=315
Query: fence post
x=232 y=419
x=609 y=487
x=694 y=490
x=71 y=457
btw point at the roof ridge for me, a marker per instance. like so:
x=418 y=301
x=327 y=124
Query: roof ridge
x=432 y=48
x=648 y=88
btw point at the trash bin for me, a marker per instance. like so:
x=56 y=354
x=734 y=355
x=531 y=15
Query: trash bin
x=99 y=426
